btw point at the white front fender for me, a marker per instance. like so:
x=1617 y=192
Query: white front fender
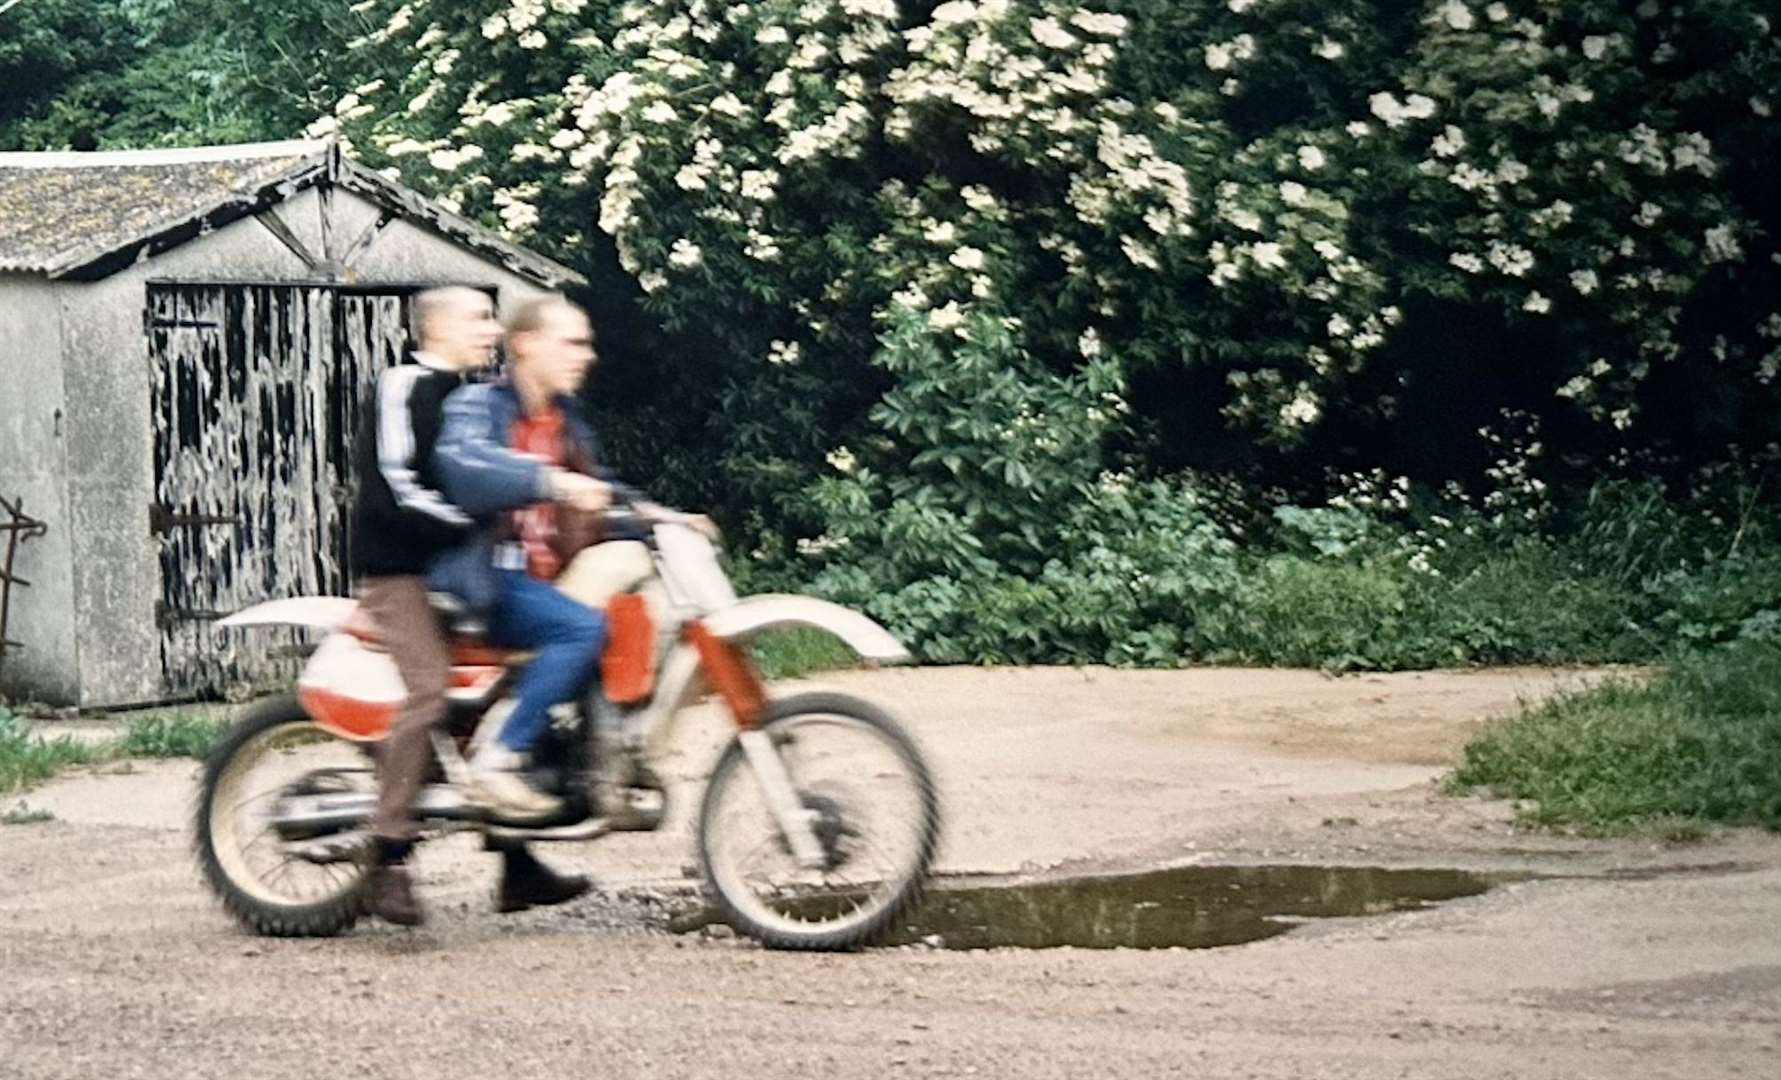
x=321 y=612
x=756 y=614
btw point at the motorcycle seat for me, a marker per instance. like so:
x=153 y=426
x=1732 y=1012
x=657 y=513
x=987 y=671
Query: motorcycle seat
x=466 y=651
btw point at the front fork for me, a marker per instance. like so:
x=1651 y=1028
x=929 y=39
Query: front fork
x=736 y=681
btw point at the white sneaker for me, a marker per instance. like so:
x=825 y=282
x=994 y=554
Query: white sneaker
x=497 y=783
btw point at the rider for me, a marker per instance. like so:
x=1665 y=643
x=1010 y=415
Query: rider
x=515 y=448
x=401 y=523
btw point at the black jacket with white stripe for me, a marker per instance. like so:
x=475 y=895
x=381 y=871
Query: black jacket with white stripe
x=400 y=520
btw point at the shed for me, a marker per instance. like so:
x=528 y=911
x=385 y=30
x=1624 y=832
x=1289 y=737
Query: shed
x=185 y=337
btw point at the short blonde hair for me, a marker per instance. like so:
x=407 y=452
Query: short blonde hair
x=531 y=313
x=432 y=303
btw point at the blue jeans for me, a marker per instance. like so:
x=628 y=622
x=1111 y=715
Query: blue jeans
x=568 y=636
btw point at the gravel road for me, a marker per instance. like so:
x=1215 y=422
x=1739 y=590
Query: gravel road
x=1623 y=959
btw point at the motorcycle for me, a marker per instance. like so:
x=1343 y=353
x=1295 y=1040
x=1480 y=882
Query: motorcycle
x=817 y=826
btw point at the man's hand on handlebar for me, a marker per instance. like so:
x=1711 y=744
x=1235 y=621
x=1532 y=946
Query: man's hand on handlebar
x=586 y=493
x=579 y=491
x=658 y=514
x=702 y=525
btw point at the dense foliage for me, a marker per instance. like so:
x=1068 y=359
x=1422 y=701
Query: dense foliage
x=124 y=74
x=1050 y=331
x=958 y=289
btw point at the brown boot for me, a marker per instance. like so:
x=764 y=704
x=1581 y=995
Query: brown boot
x=391 y=896
x=527 y=883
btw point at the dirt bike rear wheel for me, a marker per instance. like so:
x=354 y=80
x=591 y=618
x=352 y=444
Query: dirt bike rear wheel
x=875 y=813
x=245 y=862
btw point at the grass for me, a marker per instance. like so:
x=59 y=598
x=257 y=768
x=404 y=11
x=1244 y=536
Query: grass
x=27 y=758
x=173 y=735
x=788 y=654
x=1700 y=743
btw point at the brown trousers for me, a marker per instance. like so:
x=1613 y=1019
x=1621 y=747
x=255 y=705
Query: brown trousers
x=398 y=605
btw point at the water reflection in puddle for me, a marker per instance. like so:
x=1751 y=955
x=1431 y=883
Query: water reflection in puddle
x=1193 y=907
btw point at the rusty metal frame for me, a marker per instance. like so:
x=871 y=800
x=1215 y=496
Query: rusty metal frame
x=18 y=528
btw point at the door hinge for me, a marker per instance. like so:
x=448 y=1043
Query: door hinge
x=162 y=519
x=166 y=617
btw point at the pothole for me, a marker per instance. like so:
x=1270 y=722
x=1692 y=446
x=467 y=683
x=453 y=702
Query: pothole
x=1195 y=907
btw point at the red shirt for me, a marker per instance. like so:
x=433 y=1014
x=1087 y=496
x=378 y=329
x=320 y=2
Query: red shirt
x=541 y=436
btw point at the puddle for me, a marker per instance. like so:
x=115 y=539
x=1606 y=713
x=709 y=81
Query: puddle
x=1194 y=907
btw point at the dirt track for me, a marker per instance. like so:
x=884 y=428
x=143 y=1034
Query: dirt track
x=1643 y=961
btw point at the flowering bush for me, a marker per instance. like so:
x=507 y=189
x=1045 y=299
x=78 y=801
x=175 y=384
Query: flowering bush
x=949 y=238
x=1577 y=171
x=1251 y=186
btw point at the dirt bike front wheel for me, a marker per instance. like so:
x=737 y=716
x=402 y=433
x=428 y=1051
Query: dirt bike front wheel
x=274 y=882
x=870 y=800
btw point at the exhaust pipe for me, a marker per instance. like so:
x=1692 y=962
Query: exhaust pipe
x=306 y=817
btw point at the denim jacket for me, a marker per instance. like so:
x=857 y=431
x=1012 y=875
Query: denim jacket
x=484 y=476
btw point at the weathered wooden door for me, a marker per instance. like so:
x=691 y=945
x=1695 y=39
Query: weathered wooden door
x=257 y=390
x=370 y=334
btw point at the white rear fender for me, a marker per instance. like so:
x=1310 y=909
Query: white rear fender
x=321 y=612
x=757 y=614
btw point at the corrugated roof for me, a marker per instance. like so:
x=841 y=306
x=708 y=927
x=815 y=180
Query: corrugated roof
x=85 y=215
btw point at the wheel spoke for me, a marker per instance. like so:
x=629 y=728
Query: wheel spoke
x=243 y=834
x=872 y=814
x=257 y=837
x=243 y=804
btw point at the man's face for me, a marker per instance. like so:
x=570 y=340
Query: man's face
x=559 y=353
x=464 y=334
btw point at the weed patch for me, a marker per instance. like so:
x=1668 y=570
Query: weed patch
x=27 y=759
x=169 y=736
x=1700 y=742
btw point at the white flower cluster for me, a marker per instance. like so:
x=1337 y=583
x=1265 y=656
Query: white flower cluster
x=521 y=20
x=449 y=159
x=1550 y=98
x=1136 y=169
x=1386 y=106
x=815 y=547
x=405 y=147
x=1002 y=78
x=1225 y=55
x=517 y=207
x=783 y=353
x=1643 y=147
x=1769 y=366
x=399 y=20
x=1333 y=286
x=621 y=187
x=1597 y=46
x=1454 y=15
x=1041 y=89
x=1511 y=259
x=1516 y=493
x=420 y=101
x=1303 y=409
x=1692 y=150
x=842 y=133
x=696 y=174
x=684 y=254
x=350 y=107
x=1723 y=245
